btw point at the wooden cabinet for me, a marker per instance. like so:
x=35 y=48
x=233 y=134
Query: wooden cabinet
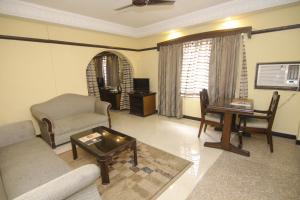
x=142 y=104
x=113 y=97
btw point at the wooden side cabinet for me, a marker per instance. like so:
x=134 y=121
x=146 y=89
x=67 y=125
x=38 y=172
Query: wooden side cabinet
x=142 y=104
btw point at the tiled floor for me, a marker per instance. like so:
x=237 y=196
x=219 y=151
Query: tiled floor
x=262 y=176
x=178 y=137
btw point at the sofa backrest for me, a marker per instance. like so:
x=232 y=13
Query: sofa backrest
x=66 y=105
x=16 y=132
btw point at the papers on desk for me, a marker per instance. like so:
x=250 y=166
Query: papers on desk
x=241 y=103
x=91 y=138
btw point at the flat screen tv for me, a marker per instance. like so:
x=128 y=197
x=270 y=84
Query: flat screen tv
x=141 y=84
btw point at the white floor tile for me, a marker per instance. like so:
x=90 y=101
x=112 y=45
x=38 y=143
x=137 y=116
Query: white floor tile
x=176 y=136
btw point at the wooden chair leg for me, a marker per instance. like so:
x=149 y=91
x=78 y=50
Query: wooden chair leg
x=239 y=125
x=271 y=141
x=205 y=128
x=200 y=129
x=268 y=138
x=240 y=134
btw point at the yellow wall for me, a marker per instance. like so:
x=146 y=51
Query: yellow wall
x=269 y=47
x=34 y=72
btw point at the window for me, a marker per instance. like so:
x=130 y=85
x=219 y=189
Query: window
x=195 y=67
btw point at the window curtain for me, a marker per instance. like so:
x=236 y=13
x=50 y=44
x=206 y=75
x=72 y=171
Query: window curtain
x=98 y=70
x=98 y=67
x=126 y=82
x=93 y=89
x=169 y=77
x=223 y=68
x=195 y=67
x=243 y=87
x=112 y=71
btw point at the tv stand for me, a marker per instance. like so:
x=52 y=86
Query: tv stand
x=142 y=103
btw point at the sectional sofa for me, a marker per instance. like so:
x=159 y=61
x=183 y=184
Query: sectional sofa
x=30 y=170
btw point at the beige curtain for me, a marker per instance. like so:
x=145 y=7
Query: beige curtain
x=126 y=82
x=169 y=75
x=223 y=68
x=112 y=71
x=243 y=87
x=92 y=83
x=98 y=66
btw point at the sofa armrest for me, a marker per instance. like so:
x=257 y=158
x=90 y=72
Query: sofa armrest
x=40 y=116
x=102 y=107
x=16 y=132
x=46 y=126
x=65 y=185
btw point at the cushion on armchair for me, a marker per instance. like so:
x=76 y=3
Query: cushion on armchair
x=257 y=123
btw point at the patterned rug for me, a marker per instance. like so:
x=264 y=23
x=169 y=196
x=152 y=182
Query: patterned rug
x=155 y=171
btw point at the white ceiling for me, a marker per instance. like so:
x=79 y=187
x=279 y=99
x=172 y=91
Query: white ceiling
x=134 y=16
x=99 y=15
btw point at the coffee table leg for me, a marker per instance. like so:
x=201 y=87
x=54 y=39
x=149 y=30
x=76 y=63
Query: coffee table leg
x=74 y=150
x=104 y=171
x=135 y=154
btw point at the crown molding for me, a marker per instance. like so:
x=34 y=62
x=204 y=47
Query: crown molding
x=33 y=11
x=220 y=11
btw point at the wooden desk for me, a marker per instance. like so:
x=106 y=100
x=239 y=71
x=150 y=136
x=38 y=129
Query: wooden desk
x=228 y=109
x=113 y=97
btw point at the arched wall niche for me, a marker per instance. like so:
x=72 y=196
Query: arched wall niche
x=99 y=78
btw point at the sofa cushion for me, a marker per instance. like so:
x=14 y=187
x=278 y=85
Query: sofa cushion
x=2 y=191
x=79 y=122
x=29 y=164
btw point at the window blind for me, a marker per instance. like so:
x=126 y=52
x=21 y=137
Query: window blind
x=195 y=67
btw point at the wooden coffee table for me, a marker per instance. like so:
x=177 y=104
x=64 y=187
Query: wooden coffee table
x=112 y=142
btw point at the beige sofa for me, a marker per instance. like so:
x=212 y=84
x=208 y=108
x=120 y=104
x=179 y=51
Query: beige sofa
x=30 y=170
x=67 y=114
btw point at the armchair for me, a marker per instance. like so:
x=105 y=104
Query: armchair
x=261 y=121
x=208 y=118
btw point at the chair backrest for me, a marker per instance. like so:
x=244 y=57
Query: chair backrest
x=273 y=108
x=275 y=93
x=203 y=102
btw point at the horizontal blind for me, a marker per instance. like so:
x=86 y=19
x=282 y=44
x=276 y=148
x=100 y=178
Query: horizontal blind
x=195 y=67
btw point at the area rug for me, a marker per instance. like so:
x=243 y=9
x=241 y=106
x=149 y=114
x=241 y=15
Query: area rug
x=155 y=171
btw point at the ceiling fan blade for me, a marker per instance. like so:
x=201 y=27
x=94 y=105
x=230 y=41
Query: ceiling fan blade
x=124 y=7
x=160 y=2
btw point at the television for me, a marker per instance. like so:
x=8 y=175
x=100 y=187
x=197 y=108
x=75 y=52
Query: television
x=141 y=85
